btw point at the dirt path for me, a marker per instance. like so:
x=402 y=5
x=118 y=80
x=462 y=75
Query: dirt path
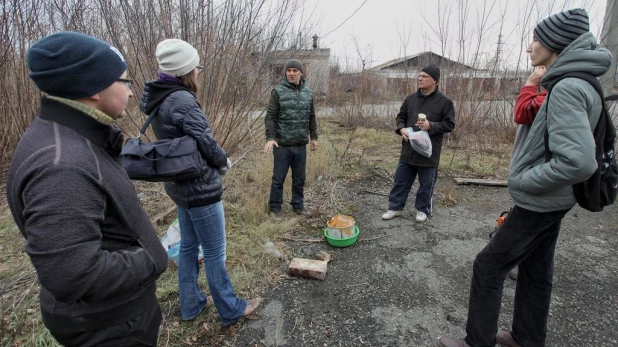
x=411 y=285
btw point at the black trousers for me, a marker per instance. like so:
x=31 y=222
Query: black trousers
x=284 y=159
x=526 y=239
x=140 y=331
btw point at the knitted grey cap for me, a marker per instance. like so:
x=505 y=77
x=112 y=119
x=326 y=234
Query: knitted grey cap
x=556 y=32
x=293 y=63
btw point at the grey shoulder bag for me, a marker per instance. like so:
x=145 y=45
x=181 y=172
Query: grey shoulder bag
x=164 y=160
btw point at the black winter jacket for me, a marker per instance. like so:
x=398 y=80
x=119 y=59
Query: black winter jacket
x=441 y=116
x=94 y=249
x=179 y=114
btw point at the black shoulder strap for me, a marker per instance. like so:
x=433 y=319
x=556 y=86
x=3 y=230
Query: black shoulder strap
x=586 y=76
x=577 y=74
x=147 y=123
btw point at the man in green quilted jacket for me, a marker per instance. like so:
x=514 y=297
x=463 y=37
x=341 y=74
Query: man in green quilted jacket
x=290 y=125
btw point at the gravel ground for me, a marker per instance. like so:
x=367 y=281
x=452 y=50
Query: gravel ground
x=405 y=283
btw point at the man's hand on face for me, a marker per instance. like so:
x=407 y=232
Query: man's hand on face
x=269 y=146
x=535 y=77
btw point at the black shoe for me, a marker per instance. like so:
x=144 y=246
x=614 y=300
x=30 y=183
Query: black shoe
x=275 y=216
x=299 y=211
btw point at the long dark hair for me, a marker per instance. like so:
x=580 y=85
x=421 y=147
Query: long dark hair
x=189 y=81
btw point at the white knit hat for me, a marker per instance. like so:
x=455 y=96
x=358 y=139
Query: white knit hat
x=176 y=57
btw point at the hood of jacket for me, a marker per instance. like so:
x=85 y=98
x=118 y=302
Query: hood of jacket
x=155 y=92
x=583 y=54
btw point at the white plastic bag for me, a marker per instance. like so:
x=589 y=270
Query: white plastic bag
x=171 y=242
x=420 y=141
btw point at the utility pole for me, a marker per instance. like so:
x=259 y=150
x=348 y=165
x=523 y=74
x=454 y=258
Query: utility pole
x=609 y=39
x=498 y=58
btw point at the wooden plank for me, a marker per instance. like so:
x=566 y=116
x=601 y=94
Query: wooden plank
x=482 y=182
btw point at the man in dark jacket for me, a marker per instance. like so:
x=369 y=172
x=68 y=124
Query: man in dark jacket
x=290 y=123
x=437 y=117
x=94 y=249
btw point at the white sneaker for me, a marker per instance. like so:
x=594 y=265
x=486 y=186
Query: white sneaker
x=390 y=214
x=421 y=216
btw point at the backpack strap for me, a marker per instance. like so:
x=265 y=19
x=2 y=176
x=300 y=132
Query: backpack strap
x=147 y=122
x=586 y=77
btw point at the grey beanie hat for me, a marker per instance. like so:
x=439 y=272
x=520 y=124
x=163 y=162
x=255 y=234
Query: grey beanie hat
x=296 y=64
x=176 y=57
x=74 y=65
x=558 y=31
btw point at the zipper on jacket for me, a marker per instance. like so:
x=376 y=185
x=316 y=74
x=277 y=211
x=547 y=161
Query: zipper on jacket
x=298 y=110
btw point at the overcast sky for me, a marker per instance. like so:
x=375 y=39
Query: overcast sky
x=377 y=31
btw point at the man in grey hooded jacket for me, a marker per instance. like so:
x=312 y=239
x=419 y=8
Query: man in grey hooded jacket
x=542 y=190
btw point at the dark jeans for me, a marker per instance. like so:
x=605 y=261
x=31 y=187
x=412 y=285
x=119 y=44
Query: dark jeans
x=404 y=178
x=284 y=158
x=141 y=331
x=528 y=239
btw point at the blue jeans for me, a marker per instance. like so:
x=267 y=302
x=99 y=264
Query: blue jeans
x=526 y=239
x=284 y=158
x=205 y=226
x=404 y=178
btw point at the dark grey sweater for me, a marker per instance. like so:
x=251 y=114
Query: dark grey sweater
x=94 y=249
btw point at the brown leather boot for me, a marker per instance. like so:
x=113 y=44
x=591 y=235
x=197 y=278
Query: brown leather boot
x=252 y=305
x=504 y=339
x=448 y=342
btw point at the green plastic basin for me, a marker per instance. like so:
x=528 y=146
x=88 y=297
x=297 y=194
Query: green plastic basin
x=342 y=242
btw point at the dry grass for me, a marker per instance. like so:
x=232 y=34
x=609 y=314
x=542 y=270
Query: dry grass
x=474 y=162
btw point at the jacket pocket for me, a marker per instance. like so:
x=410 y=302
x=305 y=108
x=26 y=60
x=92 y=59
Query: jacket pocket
x=158 y=269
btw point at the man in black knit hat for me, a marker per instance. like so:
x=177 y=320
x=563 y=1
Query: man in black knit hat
x=555 y=152
x=429 y=110
x=94 y=249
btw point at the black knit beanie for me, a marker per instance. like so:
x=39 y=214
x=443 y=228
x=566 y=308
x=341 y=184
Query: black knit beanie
x=432 y=70
x=556 y=32
x=293 y=63
x=73 y=65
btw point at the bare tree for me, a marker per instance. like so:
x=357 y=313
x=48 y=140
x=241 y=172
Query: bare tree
x=235 y=39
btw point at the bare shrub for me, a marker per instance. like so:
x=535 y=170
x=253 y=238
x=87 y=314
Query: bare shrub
x=234 y=38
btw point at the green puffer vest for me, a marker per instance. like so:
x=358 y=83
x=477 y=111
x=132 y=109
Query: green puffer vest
x=292 y=125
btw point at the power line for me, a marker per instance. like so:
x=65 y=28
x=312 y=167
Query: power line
x=352 y=15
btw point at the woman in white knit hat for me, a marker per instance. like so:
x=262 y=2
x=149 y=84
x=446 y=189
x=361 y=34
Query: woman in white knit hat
x=200 y=211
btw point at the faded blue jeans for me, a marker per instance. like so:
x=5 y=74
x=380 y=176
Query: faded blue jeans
x=205 y=226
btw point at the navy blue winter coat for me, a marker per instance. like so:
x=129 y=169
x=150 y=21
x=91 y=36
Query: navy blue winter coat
x=180 y=114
